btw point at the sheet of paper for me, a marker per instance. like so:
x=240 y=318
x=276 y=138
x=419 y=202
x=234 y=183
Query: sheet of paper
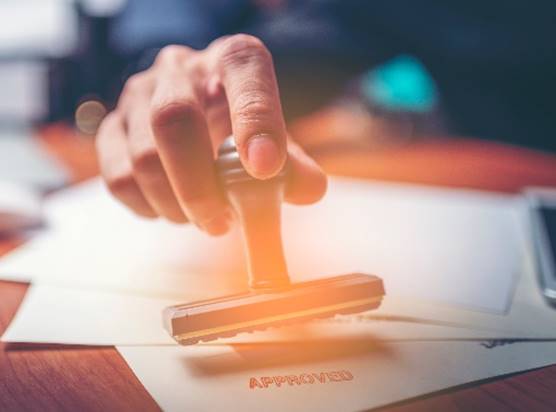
x=461 y=248
x=94 y=242
x=529 y=312
x=456 y=247
x=55 y=314
x=47 y=310
x=327 y=375
x=51 y=314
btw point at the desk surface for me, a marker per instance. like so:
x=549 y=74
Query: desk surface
x=93 y=378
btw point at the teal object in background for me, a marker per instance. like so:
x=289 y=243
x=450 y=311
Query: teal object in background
x=401 y=84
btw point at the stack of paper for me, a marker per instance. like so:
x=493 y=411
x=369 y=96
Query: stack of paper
x=455 y=264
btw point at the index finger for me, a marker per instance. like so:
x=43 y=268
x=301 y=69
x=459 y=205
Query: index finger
x=245 y=68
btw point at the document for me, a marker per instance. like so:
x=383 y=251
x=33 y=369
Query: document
x=164 y=264
x=50 y=314
x=54 y=314
x=460 y=248
x=47 y=311
x=455 y=266
x=529 y=313
x=325 y=375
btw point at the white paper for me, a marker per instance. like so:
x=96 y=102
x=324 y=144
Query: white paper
x=451 y=246
x=397 y=318
x=529 y=313
x=50 y=314
x=218 y=377
x=54 y=314
x=61 y=315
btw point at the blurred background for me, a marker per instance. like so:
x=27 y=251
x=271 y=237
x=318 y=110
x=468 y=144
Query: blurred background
x=371 y=74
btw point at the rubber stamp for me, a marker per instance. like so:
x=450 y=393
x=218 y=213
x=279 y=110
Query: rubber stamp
x=271 y=299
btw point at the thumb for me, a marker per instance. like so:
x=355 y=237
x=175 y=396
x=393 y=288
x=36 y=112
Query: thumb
x=265 y=156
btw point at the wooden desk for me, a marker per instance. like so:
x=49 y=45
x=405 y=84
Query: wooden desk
x=92 y=378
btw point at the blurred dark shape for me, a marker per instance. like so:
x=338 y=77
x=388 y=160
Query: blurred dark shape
x=494 y=62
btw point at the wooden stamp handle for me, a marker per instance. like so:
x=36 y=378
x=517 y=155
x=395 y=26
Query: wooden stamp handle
x=257 y=204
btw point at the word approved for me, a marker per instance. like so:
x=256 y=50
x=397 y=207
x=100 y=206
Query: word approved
x=302 y=379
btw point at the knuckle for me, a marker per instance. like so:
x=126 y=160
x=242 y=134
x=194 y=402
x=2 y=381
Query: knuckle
x=252 y=108
x=243 y=41
x=146 y=162
x=134 y=84
x=109 y=120
x=167 y=113
x=243 y=48
x=171 y=54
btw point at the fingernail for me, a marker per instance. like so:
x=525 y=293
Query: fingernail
x=263 y=156
x=217 y=226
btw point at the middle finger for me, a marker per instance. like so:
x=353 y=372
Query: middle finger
x=147 y=167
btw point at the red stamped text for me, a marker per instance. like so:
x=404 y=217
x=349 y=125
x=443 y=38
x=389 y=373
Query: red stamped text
x=280 y=381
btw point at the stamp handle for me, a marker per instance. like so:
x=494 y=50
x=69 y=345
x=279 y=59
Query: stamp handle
x=257 y=204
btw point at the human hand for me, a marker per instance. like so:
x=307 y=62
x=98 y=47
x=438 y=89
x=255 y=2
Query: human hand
x=157 y=148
